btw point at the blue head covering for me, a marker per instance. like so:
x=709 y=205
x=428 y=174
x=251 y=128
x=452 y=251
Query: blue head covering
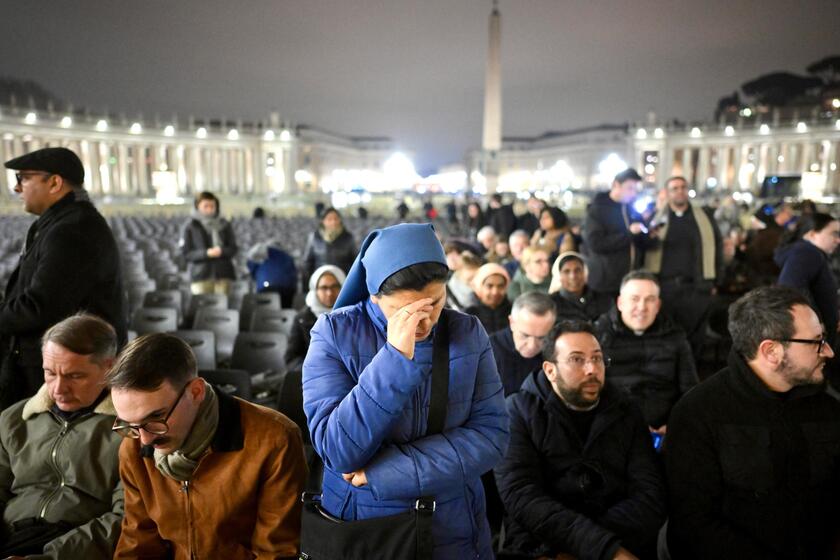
x=384 y=252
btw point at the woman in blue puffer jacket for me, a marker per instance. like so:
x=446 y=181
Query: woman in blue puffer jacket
x=366 y=390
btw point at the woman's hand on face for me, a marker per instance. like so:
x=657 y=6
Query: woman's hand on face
x=402 y=325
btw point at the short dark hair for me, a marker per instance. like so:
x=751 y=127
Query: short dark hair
x=206 y=195
x=414 y=277
x=628 y=174
x=763 y=314
x=639 y=275
x=536 y=303
x=471 y=260
x=560 y=328
x=84 y=334
x=676 y=178
x=817 y=221
x=328 y=210
x=147 y=361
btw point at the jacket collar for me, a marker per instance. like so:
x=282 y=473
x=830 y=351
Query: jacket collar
x=609 y=409
x=56 y=209
x=229 y=435
x=748 y=383
x=42 y=402
x=581 y=299
x=660 y=326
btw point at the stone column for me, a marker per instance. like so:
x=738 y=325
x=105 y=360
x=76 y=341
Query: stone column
x=702 y=169
x=686 y=163
x=724 y=159
x=124 y=184
x=807 y=154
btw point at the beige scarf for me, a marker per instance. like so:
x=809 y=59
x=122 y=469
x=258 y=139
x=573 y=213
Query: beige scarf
x=331 y=235
x=653 y=257
x=180 y=464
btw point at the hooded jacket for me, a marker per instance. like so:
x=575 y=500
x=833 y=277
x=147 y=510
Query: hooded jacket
x=62 y=471
x=608 y=242
x=242 y=502
x=195 y=240
x=367 y=406
x=752 y=473
x=806 y=268
x=305 y=318
x=655 y=368
x=585 y=498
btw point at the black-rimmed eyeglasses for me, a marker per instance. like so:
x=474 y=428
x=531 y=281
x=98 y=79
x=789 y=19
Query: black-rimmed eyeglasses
x=19 y=177
x=820 y=343
x=154 y=427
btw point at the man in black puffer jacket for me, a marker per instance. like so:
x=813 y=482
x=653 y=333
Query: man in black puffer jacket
x=651 y=357
x=580 y=476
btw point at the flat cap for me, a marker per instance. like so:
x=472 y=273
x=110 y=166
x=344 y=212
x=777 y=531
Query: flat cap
x=59 y=161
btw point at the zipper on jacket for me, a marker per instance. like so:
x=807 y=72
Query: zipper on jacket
x=418 y=415
x=185 y=488
x=64 y=429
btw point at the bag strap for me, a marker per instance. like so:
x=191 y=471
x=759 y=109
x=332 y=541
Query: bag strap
x=440 y=378
x=424 y=509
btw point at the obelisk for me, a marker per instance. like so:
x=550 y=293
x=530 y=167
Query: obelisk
x=491 y=141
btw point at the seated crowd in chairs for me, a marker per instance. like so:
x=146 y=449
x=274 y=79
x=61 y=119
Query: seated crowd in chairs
x=241 y=340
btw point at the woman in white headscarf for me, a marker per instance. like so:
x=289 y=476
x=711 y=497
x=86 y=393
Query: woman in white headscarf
x=324 y=286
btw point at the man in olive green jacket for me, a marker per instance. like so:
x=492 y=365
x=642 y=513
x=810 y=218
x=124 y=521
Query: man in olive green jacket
x=60 y=492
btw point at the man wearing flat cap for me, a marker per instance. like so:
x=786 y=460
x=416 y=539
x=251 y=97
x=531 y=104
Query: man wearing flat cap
x=68 y=263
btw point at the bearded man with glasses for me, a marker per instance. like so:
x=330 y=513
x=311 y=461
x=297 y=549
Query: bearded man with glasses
x=580 y=478
x=206 y=475
x=753 y=453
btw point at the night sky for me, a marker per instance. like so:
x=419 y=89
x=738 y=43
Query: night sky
x=410 y=69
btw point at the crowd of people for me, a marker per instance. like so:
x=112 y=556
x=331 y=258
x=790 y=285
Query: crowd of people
x=530 y=386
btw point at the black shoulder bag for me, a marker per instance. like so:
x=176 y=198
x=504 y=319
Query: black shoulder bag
x=403 y=536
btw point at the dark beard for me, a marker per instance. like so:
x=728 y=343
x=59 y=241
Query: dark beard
x=798 y=376
x=575 y=398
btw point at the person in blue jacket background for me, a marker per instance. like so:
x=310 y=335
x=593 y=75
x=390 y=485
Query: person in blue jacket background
x=366 y=390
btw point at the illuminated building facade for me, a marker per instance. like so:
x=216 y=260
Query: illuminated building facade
x=714 y=157
x=168 y=160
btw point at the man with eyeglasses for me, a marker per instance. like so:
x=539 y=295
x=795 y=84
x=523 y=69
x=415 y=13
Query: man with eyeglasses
x=580 y=478
x=60 y=491
x=68 y=263
x=517 y=348
x=206 y=475
x=651 y=357
x=753 y=453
